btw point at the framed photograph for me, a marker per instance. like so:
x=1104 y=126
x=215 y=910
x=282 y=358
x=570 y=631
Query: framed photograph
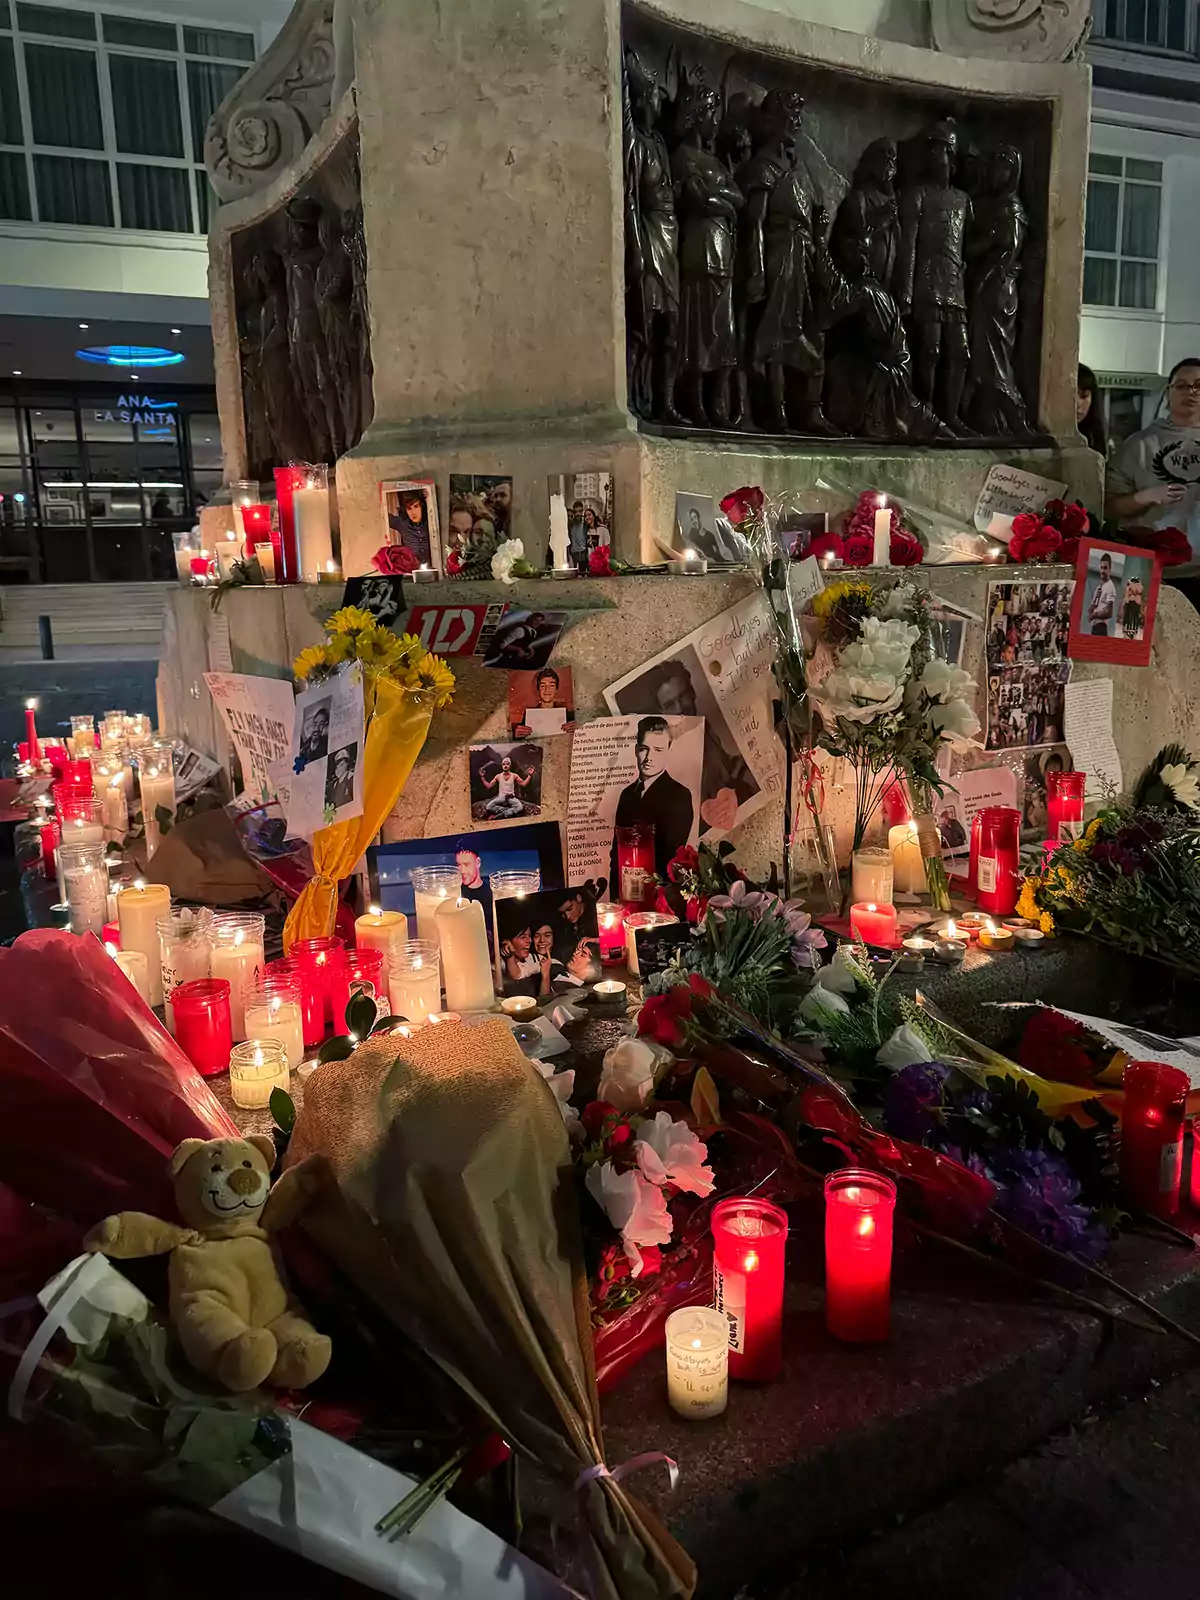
x=523 y=640
x=532 y=847
x=699 y=526
x=506 y=781
x=588 y=500
x=540 y=703
x=480 y=503
x=410 y=518
x=549 y=943
x=1116 y=597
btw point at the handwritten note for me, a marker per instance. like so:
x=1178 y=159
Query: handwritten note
x=1088 y=708
x=1006 y=492
x=259 y=714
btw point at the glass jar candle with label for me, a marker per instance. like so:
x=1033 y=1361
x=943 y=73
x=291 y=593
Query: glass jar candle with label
x=998 y=873
x=858 y=1254
x=321 y=964
x=697 y=1340
x=1064 y=805
x=365 y=971
x=636 y=881
x=1152 y=1137
x=749 y=1239
x=273 y=1012
x=610 y=918
x=85 y=885
x=185 y=947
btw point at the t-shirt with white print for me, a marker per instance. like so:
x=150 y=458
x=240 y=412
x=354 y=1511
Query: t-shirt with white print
x=1162 y=453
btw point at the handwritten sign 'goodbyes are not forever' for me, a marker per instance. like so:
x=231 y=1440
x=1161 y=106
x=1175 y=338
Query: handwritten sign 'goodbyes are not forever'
x=259 y=714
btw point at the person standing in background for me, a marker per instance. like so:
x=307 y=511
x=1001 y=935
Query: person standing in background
x=1087 y=411
x=1154 y=478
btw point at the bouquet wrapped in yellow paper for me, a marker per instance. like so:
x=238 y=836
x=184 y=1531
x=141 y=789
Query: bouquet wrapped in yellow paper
x=403 y=685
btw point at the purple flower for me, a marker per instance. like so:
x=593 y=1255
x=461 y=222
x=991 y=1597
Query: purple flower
x=1038 y=1191
x=913 y=1098
x=1112 y=854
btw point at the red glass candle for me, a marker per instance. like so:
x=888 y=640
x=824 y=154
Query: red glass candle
x=636 y=883
x=610 y=915
x=362 y=973
x=34 y=750
x=50 y=838
x=321 y=964
x=894 y=806
x=111 y=934
x=202 y=1025
x=1064 y=805
x=287 y=552
x=749 y=1238
x=998 y=879
x=1152 y=1136
x=858 y=1255
x=1195 y=1169
x=874 y=924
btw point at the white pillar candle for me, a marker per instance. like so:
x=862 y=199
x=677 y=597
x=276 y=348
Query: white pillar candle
x=462 y=933
x=158 y=791
x=871 y=876
x=416 y=981
x=135 y=967
x=560 y=548
x=381 y=930
x=432 y=885
x=138 y=911
x=311 y=510
x=276 y=1017
x=908 y=865
x=115 y=809
x=238 y=954
x=882 y=556
x=256 y=1069
x=697 y=1362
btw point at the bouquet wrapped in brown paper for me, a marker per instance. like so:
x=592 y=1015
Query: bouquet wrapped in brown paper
x=456 y=1213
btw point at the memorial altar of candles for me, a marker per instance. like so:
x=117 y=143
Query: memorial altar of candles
x=85 y=885
x=238 y=954
x=513 y=885
x=466 y=961
x=749 y=1239
x=1064 y=805
x=256 y=1068
x=871 y=875
x=416 y=980
x=610 y=918
x=321 y=965
x=202 y=1028
x=273 y=1012
x=381 y=930
x=1152 y=1136
x=908 y=865
x=634 y=922
x=135 y=967
x=156 y=778
x=432 y=885
x=859 y=1207
x=310 y=509
x=874 y=924
x=697 y=1339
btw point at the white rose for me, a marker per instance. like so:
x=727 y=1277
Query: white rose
x=955 y=721
x=627 y=1076
x=820 y=1003
x=899 y=600
x=941 y=681
x=842 y=973
x=905 y=1047
x=506 y=554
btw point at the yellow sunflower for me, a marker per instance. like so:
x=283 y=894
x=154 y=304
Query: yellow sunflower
x=825 y=602
x=340 y=648
x=431 y=675
x=350 y=619
x=314 y=659
x=377 y=649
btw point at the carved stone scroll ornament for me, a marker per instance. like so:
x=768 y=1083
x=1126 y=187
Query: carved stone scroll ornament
x=269 y=116
x=1014 y=30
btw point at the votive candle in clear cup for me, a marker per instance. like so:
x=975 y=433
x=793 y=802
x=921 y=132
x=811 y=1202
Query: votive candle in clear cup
x=156 y=781
x=256 y=1068
x=416 y=980
x=432 y=885
x=185 y=950
x=85 y=885
x=135 y=967
x=202 y=1028
x=365 y=971
x=273 y=1012
x=511 y=885
x=83 y=736
x=872 y=876
x=697 y=1340
x=238 y=954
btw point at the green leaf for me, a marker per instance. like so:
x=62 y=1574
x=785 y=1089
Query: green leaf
x=360 y=1015
x=385 y=1024
x=217 y=1438
x=283 y=1110
x=337 y=1049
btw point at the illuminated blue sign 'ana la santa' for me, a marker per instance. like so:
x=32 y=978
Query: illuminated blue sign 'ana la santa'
x=130 y=355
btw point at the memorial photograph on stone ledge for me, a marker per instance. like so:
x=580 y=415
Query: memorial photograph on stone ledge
x=815 y=254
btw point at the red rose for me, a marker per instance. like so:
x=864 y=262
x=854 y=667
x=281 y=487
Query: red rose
x=685 y=859
x=1068 y=551
x=663 y=1015
x=1074 y=521
x=858 y=550
x=651 y=1256
x=394 y=560
x=1038 y=543
x=1026 y=524
x=454 y=564
x=620 y=1135
x=595 y=1115
x=827 y=544
x=700 y=987
x=742 y=505
x=1170 y=545
x=905 y=550
x=599 y=562
x=1053 y=510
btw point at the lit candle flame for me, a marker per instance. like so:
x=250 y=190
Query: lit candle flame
x=865 y=1227
x=31 y=705
x=276 y=1003
x=952 y=929
x=258 y=1058
x=375 y=911
x=689 y=555
x=990 y=926
x=139 y=883
x=239 y=936
x=871 y=906
x=750 y=1261
x=695 y=1344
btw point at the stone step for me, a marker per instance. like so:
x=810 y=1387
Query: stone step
x=80 y=614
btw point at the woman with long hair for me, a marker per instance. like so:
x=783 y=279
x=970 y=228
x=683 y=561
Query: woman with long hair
x=1154 y=479
x=1088 y=418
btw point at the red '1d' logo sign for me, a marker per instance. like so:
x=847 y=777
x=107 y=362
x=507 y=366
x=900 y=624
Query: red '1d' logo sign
x=450 y=630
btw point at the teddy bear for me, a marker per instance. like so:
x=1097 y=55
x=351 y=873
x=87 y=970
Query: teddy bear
x=228 y=1304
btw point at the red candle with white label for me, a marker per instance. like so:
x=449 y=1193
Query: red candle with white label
x=858 y=1255
x=874 y=924
x=1152 y=1136
x=749 y=1238
x=610 y=917
x=999 y=877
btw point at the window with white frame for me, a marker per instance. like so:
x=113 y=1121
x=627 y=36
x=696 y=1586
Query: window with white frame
x=102 y=116
x=1147 y=24
x=1122 y=232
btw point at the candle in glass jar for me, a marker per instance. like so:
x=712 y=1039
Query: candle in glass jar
x=115 y=808
x=858 y=1255
x=1064 y=805
x=273 y=1012
x=908 y=865
x=257 y=1068
x=310 y=508
x=202 y=1028
x=634 y=923
x=138 y=911
x=238 y=954
x=871 y=875
x=697 y=1339
x=264 y=554
x=510 y=885
x=85 y=885
x=466 y=961
x=321 y=965
x=636 y=878
x=134 y=965
x=185 y=946
x=416 y=980
x=381 y=930
x=83 y=736
x=998 y=882
x=1152 y=1136
x=432 y=885
x=610 y=917
x=749 y=1238
x=229 y=550
x=157 y=781
x=874 y=924
x=31 y=735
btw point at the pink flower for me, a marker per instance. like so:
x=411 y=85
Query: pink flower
x=600 y=563
x=637 y=1209
x=669 y=1152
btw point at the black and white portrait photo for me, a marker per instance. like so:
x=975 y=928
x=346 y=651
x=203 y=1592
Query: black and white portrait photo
x=655 y=797
x=699 y=526
x=339 y=777
x=314 y=730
